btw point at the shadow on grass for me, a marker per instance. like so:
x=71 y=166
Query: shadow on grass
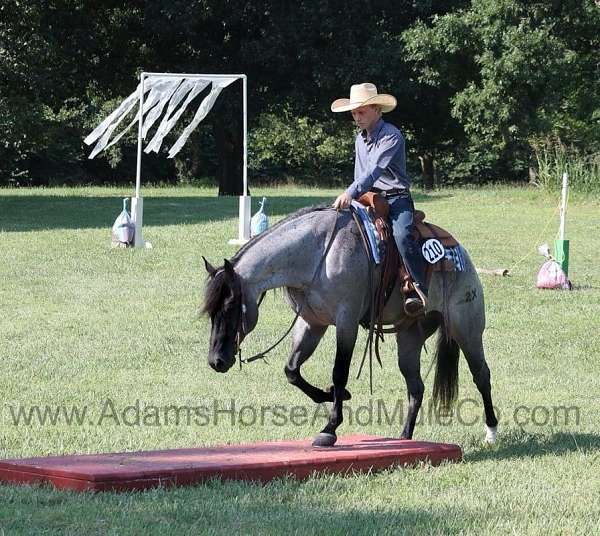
x=45 y=212
x=520 y=444
x=283 y=506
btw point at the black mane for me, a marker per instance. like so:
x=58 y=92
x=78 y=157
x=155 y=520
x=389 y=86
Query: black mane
x=214 y=295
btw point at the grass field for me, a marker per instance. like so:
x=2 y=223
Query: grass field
x=106 y=331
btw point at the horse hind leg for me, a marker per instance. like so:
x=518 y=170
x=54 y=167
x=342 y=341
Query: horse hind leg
x=306 y=338
x=481 y=376
x=471 y=343
x=410 y=343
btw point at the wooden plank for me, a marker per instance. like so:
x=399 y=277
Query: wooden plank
x=261 y=462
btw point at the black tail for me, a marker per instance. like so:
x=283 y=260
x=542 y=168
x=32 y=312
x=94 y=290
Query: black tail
x=445 y=385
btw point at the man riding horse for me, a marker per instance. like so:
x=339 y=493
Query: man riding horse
x=316 y=254
x=380 y=166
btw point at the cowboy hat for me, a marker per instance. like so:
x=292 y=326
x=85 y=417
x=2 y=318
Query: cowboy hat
x=364 y=95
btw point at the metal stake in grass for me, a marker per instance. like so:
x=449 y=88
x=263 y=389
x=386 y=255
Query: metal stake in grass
x=561 y=246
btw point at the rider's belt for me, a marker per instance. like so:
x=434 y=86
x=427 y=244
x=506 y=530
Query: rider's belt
x=390 y=193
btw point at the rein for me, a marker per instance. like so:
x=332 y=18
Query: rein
x=242 y=320
x=374 y=311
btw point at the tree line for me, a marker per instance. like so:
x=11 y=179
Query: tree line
x=484 y=87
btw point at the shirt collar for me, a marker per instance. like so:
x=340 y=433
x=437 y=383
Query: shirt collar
x=370 y=136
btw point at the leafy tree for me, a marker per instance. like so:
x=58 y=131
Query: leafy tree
x=476 y=82
x=509 y=70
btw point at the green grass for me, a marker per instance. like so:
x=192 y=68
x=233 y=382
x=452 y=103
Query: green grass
x=82 y=323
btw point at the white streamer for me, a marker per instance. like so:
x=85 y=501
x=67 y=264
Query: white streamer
x=154 y=114
x=205 y=107
x=162 y=90
x=123 y=109
x=151 y=105
x=169 y=122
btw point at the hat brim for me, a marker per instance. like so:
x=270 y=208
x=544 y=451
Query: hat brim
x=387 y=103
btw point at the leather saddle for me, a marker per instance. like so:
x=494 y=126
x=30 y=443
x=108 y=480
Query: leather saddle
x=425 y=234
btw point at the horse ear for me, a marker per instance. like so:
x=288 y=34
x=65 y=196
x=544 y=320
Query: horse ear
x=209 y=267
x=228 y=268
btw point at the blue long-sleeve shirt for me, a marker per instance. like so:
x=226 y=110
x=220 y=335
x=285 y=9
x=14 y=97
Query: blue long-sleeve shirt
x=380 y=160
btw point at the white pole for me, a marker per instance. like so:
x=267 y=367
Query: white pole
x=190 y=75
x=137 y=207
x=563 y=205
x=245 y=200
x=245 y=112
x=138 y=175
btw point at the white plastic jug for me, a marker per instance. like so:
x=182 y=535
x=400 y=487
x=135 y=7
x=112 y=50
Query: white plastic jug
x=123 y=229
x=259 y=222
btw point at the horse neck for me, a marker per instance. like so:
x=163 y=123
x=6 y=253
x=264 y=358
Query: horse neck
x=286 y=257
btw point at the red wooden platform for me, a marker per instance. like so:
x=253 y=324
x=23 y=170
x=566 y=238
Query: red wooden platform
x=255 y=461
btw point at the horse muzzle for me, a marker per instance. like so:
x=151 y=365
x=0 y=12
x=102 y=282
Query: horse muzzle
x=221 y=365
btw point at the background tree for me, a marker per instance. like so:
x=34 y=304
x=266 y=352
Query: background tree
x=476 y=81
x=510 y=71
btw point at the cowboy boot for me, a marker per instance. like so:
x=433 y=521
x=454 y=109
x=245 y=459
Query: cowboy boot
x=414 y=300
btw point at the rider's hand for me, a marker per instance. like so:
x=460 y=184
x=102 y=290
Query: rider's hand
x=343 y=201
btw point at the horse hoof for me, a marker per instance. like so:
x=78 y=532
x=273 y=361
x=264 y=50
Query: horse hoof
x=324 y=440
x=490 y=434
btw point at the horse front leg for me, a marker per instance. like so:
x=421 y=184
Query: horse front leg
x=305 y=339
x=346 y=333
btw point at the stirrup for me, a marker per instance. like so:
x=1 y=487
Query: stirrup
x=415 y=306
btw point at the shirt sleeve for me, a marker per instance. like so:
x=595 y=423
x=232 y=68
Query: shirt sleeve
x=381 y=156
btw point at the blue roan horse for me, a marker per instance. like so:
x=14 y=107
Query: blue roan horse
x=332 y=288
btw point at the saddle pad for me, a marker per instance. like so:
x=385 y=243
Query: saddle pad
x=370 y=230
x=454 y=260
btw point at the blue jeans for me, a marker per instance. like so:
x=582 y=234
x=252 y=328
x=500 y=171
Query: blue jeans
x=401 y=215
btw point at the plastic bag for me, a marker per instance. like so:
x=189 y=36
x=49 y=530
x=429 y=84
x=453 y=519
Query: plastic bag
x=551 y=275
x=123 y=229
x=259 y=222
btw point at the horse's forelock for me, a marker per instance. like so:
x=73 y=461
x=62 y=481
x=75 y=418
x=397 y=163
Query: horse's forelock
x=213 y=296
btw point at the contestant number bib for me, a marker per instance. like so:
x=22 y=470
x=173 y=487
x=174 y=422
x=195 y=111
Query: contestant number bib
x=433 y=250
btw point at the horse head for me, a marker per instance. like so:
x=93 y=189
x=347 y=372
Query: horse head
x=233 y=314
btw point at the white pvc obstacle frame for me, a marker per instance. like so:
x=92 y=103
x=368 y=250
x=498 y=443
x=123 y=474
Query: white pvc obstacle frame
x=137 y=204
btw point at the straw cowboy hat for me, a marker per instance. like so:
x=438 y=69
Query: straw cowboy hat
x=363 y=95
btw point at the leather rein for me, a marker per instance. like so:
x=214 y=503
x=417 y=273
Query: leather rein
x=375 y=332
